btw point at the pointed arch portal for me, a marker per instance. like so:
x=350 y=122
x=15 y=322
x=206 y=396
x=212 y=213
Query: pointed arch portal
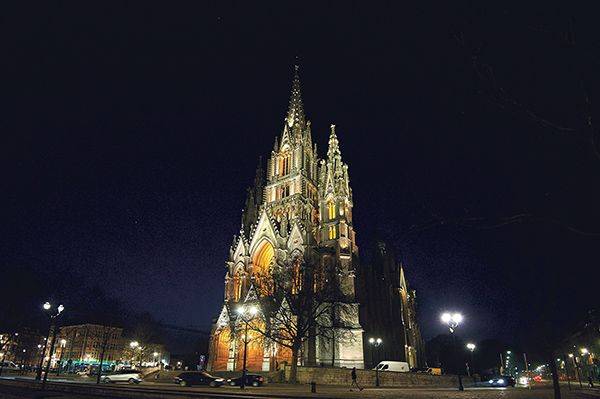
x=262 y=261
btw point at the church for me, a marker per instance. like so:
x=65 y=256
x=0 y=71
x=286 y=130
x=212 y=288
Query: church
x=298 y=218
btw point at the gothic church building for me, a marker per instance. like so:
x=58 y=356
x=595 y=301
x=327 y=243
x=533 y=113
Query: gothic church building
x=300 y=205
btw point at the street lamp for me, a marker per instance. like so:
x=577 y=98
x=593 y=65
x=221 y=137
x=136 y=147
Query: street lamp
x=243 y=311
x=63 y=344
x=452 y=320
x=375 y=343
x=471 y=347
x=136 y=345
x=576 y=367
x=53 y=327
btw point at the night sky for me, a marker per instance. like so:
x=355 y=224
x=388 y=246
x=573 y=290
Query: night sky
x=130 y=133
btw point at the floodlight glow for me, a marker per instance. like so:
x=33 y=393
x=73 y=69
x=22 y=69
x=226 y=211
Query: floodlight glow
x=253 y=310
x=471 y=346
x=60 y=308
x=371 y=340
x=47 y=306
x=379 y=340
x=446 y=317
x=457 y=318
x=584 y=351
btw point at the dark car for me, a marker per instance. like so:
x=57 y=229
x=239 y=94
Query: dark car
x=251 y=379
x=503 y=381
x=190 y=378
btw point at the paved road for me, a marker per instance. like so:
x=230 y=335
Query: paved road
x=302 y=391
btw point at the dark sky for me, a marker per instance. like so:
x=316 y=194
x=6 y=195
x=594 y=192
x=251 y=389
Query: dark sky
x=130 y=132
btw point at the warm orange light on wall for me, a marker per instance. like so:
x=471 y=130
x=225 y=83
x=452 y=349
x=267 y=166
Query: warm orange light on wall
x=261 y=268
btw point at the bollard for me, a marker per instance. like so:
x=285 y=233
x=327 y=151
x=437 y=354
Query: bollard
x=313 y=387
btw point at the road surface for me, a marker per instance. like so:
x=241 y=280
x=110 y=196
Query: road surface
x=12 y=389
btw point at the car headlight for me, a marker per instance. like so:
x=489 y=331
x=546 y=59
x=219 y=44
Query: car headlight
x=219 y=380
x=491 y=381
x=500 y=381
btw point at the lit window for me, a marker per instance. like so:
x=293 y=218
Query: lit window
x=332 y=233
x=331 y=210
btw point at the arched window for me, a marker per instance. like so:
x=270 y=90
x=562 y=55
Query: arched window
x=261 y=267
x=284 y=164
x=332 y=232
x=297 y=276
x=331 y=210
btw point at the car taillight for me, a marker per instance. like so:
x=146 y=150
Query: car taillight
x=260 y=378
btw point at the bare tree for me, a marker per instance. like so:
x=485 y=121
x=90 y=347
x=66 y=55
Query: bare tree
x=107 y=333
x=302 y=303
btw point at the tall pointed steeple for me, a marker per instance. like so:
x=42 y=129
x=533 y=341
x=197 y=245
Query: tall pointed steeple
x=295 y=114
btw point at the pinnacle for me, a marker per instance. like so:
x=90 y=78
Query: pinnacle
x=334 y=147
x=295 y=113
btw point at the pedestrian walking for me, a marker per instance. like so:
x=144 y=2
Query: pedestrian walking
x=590 y=381
x=354 y=382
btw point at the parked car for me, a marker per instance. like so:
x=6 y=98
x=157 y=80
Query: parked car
x=392 y=365
x=251 y=379
x=427 y=370
x=130 y=376
x=9 y=366
x=191 y=378
x=502 y=381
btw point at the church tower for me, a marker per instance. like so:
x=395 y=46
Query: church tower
x=291 y=191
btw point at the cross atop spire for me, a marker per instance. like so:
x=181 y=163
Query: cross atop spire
x=295 y=114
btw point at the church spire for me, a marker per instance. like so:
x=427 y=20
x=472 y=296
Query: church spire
x=295 y=114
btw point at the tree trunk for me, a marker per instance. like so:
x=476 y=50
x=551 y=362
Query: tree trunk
x=554 y=371
x=294 y=365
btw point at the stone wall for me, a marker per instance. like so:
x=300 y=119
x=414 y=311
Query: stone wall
x=341 y=376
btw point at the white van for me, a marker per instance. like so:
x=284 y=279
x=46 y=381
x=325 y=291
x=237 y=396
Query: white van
x=392 y=365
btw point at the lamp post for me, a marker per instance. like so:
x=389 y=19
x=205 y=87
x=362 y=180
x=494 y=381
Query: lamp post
x=243 y=311
x=576 y=367
x=471 y=347
x=375 y=343
x=452 y=320
x=53 y=326
x=63 y=344
x=136 y=345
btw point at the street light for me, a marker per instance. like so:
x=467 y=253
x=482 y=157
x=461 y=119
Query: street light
x=452 y=320
x=47 y=306
x=471 y=347
x=375 y=343
x=63 y=344
x=243 y=311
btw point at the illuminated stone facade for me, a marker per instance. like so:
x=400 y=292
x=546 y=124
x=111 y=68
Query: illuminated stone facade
x=301 y=204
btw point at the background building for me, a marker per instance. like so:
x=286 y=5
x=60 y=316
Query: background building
x=388 y=310
x=83 y=344
x=22 y=347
